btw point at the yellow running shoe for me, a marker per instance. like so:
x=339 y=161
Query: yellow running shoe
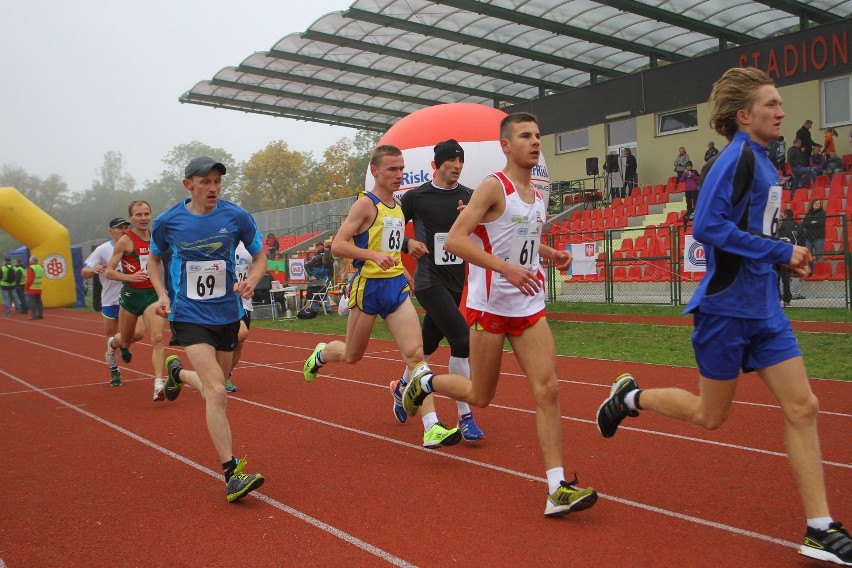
x=311 y=368
x=439 y=435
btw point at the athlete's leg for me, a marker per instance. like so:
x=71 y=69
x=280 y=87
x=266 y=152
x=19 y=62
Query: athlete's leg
x=479 y=390
x=208 y=377
x=708 y=410
x=358 y=329
x=788 y=381
x=155 y=325
x=536 y=353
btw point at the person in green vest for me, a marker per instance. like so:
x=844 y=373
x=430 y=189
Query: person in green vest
x=20 y=287
x=35 y=277
x=8 y=276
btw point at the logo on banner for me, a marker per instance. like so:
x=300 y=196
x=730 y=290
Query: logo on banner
x=590 y=249
x=693 y=255
x=54 y=266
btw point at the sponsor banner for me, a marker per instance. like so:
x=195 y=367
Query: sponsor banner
x=297 y=270
x=693 y=255
x=584 y=259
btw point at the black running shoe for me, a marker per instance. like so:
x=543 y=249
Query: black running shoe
x=241 y=484
x=614 y=410
x=832 y=545
x=126 y=355
x=173 y=383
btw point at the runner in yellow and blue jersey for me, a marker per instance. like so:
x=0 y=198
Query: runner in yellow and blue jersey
x=372 y=235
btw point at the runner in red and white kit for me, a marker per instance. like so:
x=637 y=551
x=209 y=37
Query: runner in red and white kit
x=138 y=295
x=499 y=234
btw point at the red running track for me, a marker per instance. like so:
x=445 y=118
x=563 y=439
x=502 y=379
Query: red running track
x=100 y=476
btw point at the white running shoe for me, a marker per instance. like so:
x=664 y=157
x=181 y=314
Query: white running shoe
x=110 y=354
x=159 y=393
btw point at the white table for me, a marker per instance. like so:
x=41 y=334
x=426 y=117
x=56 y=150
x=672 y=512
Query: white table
x=287 y=292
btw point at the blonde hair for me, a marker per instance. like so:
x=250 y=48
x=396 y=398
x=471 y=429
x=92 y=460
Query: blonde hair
x=733 y=92
x=381 y=151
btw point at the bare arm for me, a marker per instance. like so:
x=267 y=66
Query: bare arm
x=122 y=247
x=360 y=217
x=486 y=204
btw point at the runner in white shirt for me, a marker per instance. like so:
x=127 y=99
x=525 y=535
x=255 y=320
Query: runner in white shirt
x=499 y=234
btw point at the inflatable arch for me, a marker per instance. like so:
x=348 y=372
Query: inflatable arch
x=46 y=239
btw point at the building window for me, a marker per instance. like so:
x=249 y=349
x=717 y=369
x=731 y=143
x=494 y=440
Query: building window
x=572 y=141
x=677 y=121
x=837 y=101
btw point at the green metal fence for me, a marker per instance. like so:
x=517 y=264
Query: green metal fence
x=645 y=265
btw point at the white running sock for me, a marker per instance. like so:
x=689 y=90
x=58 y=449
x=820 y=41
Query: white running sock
x=630 y=400
x=820 y=523
x=554 y=477
x=429 y=420
x=461 y=366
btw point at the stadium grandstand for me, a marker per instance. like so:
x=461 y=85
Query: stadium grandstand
x=602 y=77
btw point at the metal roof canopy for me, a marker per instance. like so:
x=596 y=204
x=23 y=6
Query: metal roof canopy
x=379 y=60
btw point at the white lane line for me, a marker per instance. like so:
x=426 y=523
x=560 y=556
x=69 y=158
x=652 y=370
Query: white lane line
x=346 y=537
x=298 y=371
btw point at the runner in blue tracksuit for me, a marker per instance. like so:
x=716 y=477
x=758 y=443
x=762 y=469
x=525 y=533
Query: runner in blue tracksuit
x=739 y=323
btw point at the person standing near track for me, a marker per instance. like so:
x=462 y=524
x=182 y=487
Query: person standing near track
x=499 y=235
x=96 y=264
x=204 y=304
x=439 y=278
x=137 y=294
x=35 y=278
x=372 y=235
x=739 y=323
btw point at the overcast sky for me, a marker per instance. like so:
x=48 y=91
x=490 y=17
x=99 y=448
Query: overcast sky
x=79 y=79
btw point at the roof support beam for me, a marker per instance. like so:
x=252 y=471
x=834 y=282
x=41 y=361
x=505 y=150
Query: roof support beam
x=331 y=85
x=350 y=68
x=668 y=17
x=804 y=11
x=307 y=98
x=560 y=29
x=284 y=112
x=496 y=46
x=443 y=62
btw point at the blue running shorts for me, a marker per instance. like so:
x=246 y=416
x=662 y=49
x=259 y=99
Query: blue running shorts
x=724 y=345
x=378 y=296
x=110 y=312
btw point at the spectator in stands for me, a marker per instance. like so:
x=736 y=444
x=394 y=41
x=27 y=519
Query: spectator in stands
x=631 y=177
x=680 y=163
x=776 y=151
x=691 y=183
x=828 y=142
x=814 y=225
x=711 y=151
x=808 y=144
x=272 y=245
x=833 y=165
x=817 y=163
x=791 y=231
x=802 y=174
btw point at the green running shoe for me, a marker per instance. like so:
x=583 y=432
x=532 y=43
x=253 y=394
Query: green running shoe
x=568 y=498
x=311 y=368
x=439 y=435
x=173 y=382
x=114 y=379
x=241 y=484
x=229 y=386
